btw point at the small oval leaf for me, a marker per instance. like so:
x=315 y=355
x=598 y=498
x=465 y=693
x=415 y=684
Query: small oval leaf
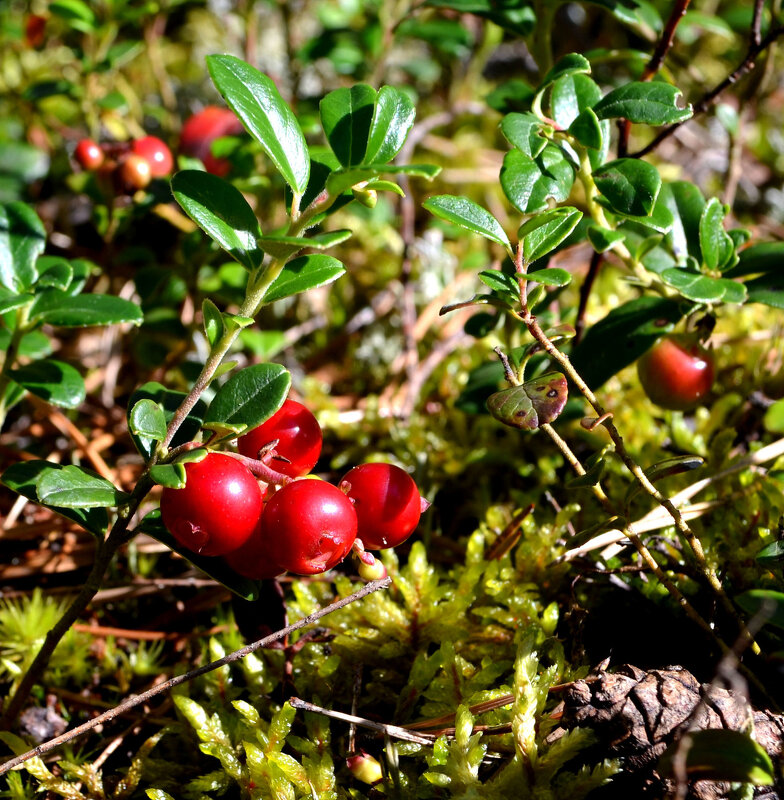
x=147 y=419
x=251 y=396
x=54 y=381
x=76 y=487
x=303 y=273
x=467 y=214
x=532 y=404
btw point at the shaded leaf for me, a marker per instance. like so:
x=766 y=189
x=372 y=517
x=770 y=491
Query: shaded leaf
x=65 y=310
x=303 y=273
x=22 y=240
x=603 y=239
x=525 y=131
x=686 y=203
x=571 y=95
x=570 y=64
x=767 y=602
x=286 y=246
x=172 y=476
x=630 y=185
x=716 y=246
x=392 y=120
x=588 y=130
x=76 y=487
x=702 y=288
x=221 y=211
x=54 y=381
x=544 y=232
x=213 y=321
x=346 y=116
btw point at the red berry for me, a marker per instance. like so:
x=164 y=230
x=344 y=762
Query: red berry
x=134 y=173
x=157 y=154
x=218 y=509
x=299 y=439
x=677 y=372
x=34 y=30
x=387 y=503
x=88 y=154
x=310 y=525
x=202 y=129
x=253 y=559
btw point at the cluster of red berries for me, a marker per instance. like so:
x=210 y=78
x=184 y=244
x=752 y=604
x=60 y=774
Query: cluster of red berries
x=290 y=520
x=132 y=164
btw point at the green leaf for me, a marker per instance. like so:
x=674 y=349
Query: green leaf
x=80 y=16
x=23 y=477
x=76 y=487
x=759 y=258
x=660 y=219
x=623 y=336
x=570 y=64
x=551 y=277
x=169 y=401
x=62 y=309
x=588 y=130
x=255 y=99
x=702 y=288
x=54 y=273
x=720 y=755
x=774 y=417
x=767 y=602
x=591 y=477
x=286 y=246
x=146 y=419
x=526 y=132
x=532 y=404
x=23 y=161
x=303 y=273
x=22 y=240
x=772 y=554
x=767 y=289
x=529 y=183
x=343 y=179
x=631 y=186
x=54 y=381
x=665 y=469
x=715 y=243
x=543 y=233
x=393 y=118
x=501 y=283
x=651 y=102
x=686 y=203
x=251 y=396
x=603 y=239
x=172 y=476
x=215 y=568
x=571 y=95
x=213 y=321
x=9 y=301
x=346 y=116
x=467 y=214
x=221 y=211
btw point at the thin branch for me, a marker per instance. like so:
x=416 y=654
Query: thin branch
x=138 y=699
x=756 y=23
x=585 y=293
x=702 y=105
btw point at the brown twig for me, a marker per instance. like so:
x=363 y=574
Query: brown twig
x=585 y=293
x=138 y=699
x=653 y=66
x=707 y=100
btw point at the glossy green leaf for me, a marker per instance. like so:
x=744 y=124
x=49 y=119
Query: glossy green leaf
x=623 y=336
x=526 y=132
x=603 y=239
x=54 y=273
x=551 y=276
x=467 y=214
x=76 y=12
x=478 y=300
x=215 y=568
x=660 y=219
x=500 y=282
x=303 y=273
x=286 y=246
x=343 y=179
x=221 y=211
x=251 y=396
x=570 y=64
x=393 y=118
x=529 y=183
x=587 y=129
x=212 y=320
x=62 y=309
x=686 y=203
x=651 y=102
x=23 y=478
x=172 y=476
x=716 y=246
x=630 y=185
x=146 y=419
x=76 y=487
x=22 y=240
x=532 y=404
x=346 y=116
x=256 y=101
x=720 y=755
x=169 y=401
x=571 y=95
x=702 y=288
x=10 y=301
x=543 y=233
x=54 y=381
x=765 y=257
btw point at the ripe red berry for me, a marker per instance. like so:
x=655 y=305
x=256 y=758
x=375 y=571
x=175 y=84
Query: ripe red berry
x=202 y=129
x=677 y=372
x=310 y=525
x=157 y=154
x=387 y=503
x=253 y=559
x=299 y=439
x=218 y=509
x=88 y=154
x=134 y=173
x=35 y=26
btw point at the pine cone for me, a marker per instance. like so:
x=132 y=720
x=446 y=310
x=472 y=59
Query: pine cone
x=636 y=715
